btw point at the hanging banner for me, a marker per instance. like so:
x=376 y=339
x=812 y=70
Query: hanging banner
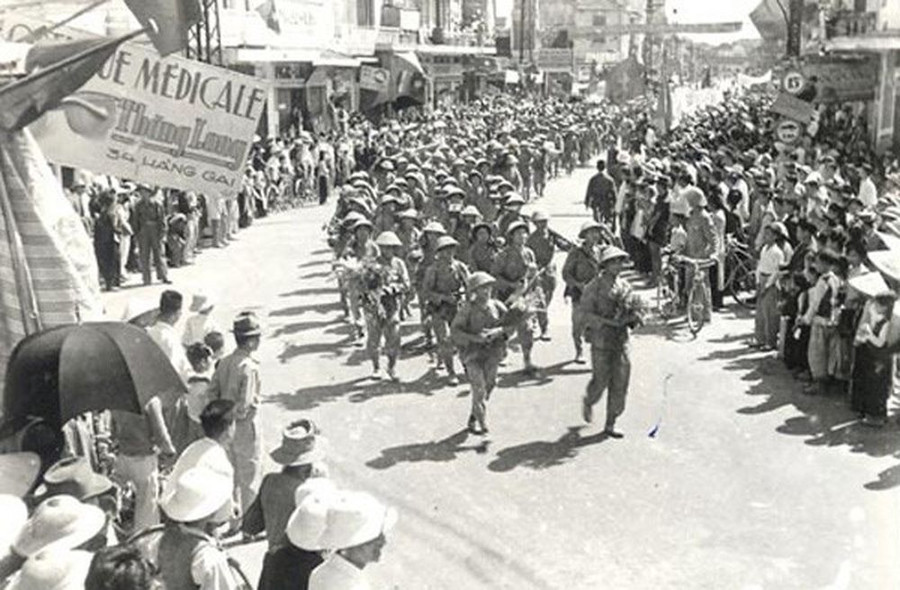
x=377 y=79
x=793 y=108
x=169 y=122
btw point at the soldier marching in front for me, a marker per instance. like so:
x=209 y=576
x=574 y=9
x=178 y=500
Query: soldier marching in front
x=382 y=298
x=543 y=244
x=479 y=333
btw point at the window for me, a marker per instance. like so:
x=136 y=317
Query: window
x=599 y=20
x=365 y=13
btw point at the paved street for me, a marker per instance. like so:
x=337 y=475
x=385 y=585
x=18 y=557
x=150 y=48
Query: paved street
x=748 y=484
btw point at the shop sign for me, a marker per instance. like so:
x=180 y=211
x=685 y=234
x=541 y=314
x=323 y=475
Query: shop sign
x=170 y=122
x=554 y=60
x=377 y=79
x=303 y=23
x=840 y=79
x=788 y=105
x=788 y=131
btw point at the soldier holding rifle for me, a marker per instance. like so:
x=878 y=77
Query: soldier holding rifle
x=443 y=287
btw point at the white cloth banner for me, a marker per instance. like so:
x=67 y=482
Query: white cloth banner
x=170 y=122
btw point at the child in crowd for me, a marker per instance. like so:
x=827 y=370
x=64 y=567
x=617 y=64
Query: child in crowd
x=187 y=428
x=821 y=317
x=872 y=370
x=216 y=343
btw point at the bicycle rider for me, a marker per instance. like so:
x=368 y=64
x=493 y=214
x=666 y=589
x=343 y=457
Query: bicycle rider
x=701 y=243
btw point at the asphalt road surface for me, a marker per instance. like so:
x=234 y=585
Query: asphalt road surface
x=746 y=484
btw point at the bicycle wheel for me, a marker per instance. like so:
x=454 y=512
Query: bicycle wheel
x=695 y=312
x=740 y=285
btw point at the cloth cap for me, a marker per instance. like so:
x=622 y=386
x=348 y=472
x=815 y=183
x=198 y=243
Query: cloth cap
x=60 y=522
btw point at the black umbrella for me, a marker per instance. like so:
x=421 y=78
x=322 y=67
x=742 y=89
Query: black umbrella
x=60 y=373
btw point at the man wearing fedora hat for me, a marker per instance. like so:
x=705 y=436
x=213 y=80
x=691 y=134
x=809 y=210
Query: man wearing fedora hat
x=237 y=379
x=197 y=503
x=608 y=335
x=300 y=454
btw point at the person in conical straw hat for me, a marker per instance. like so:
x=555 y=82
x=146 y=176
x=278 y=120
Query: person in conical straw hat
x=478 y=332
x=608 y=334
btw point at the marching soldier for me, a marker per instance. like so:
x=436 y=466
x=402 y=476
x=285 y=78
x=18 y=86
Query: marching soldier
x=511 y=213
x=544 y=247
x=581 y=266
x=608 y=333
x=479 y=333
x=515 y=270
x=430 y=234
x=360 y=248
x=443 y=287
x=468 y=217
x=382 y=305
x=483 y=249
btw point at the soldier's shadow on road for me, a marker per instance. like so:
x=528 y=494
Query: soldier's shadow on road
x=545 y=454
x=438 y=451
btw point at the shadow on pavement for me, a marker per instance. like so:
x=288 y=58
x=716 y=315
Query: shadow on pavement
x=331 y=290
x=292 y=351
x=307 y=398
x=322 y=274
x=322 y=307
x=545 y=454
x=436 y=451
x=311 y=263
x=823 y=420
x=296 y=327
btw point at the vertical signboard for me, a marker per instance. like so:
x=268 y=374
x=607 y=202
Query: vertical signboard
x=795 y=28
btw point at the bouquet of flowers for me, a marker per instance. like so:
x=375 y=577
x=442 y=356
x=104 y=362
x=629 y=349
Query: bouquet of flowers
x=630 y=308
x=380 y=291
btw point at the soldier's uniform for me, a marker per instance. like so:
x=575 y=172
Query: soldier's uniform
x=481 y=256
x=581 y=267
x=544 y=247
x=513 y=266
x=443 y=288
x=361 y=252
x=610 y=362
x=382 y=307
x=481 y=359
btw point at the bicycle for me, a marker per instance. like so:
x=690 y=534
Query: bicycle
x=740 y=281
x=693 y=298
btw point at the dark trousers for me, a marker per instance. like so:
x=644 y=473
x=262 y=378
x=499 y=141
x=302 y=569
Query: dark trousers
x=150 y=244
x=108 y=263
x=717 y=295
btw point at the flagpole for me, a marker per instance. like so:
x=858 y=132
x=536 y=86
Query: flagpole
x=69 y=61
x=42 y=31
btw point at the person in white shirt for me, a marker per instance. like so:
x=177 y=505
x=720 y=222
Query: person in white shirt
x=771 y=259
x=199 y=323
x=166 y=335
x=868 y=194
x=736 y=179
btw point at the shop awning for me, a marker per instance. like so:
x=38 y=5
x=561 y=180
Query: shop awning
x=880 y=42
x=455 y=50
x=317 y=57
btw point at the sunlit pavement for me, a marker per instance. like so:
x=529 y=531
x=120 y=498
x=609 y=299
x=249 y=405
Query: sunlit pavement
x=747 y=483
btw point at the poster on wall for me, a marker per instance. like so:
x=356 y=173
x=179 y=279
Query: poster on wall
x=170 y=122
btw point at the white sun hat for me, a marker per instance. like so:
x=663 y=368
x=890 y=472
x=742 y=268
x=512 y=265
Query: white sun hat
x=59 y=522
x=53 y=569
x=355 y=518
x=199 y=492
x=15 y=514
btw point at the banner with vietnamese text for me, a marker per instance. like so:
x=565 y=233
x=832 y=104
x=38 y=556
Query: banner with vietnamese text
x=170 y=122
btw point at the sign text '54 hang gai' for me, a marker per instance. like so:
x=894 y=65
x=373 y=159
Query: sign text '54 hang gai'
x=167 y=121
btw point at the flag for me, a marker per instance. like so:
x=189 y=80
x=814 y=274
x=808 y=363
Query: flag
x=26 y=99
x=770 y=20
x=48 y=271
x=409 y=80
x=269 y=13
x=167 y=21
x=625 y=81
